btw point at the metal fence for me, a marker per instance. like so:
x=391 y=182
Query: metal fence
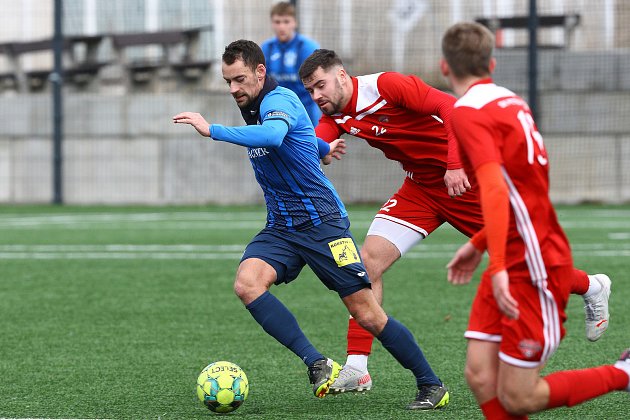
x=130 y=65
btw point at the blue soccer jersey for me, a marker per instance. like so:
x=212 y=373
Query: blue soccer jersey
x=287 y=167
x=283 y=64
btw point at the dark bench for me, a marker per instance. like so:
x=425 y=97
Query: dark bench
x=78 y=70
x=143 y=70
x=566 y=22
x=81 y=64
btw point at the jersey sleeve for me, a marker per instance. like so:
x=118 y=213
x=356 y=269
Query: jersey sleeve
x=276 y=106
x=411 y=92
x=495 y=206
x=270 y=134
x=475 y=136
x=327 y=129
x=323 y=148
x=279 y=115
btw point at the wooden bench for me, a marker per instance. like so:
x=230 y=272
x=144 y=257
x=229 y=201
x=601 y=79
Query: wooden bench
x=566 y=22
x=143 y=71
x=76 y=69
x=178 y=56
x=7 y=79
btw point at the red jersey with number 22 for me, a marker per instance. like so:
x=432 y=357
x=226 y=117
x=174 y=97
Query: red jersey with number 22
x=402 y=116
x=492 y=124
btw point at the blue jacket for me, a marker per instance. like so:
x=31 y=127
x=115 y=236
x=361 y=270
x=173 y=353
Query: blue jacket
x=283 y=64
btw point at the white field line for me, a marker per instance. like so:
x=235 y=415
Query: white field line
x=231 y=252
x=123 y=248
x=619 y=236
x=598 y=219
x=237 y=225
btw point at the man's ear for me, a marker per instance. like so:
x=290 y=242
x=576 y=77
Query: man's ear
x=493 y=64
x=342 y=76
x=444 y=68
x=261 y=71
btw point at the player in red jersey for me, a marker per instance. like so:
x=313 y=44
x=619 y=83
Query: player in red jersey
x=516 y=321
x=410 y=122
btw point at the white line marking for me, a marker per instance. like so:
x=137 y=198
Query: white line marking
x=226 y=252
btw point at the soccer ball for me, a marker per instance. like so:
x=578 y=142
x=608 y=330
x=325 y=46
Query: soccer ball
x=222 y=387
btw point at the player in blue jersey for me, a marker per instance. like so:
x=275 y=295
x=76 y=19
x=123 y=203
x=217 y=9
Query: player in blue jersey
x=285 y=53
x=306 y=224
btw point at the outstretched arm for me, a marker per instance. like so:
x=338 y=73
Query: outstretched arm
x=196 y=120
x=269 y=134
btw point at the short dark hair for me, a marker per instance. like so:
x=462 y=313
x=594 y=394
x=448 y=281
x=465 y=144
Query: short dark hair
x=467 y=48
x=325 y=59
x=245 y=50
x=284 y=8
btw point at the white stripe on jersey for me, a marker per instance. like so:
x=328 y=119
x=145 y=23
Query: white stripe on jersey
x=367 y=90
x=537 y=270
x=479 y=96
x=533 y=256
x=342 y=120
x=371 y=110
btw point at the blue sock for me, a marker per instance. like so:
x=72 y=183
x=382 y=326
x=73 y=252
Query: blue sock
x=279 y=323
x=399 y=341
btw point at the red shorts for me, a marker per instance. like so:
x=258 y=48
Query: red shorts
x=423 y=209
x=532 y=338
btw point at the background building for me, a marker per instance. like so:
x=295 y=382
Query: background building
x=121 y=147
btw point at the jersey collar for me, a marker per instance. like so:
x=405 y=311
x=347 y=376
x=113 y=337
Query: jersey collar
x=351 y=107
x=251 y=113
x=486 y=81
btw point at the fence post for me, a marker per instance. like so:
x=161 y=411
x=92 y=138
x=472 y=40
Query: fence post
x=56 y=78
x=533 y=60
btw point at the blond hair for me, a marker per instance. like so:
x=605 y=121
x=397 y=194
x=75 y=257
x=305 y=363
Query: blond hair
x=467 y=48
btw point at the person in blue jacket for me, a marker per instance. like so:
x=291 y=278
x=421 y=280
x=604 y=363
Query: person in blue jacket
x=307 y=224
x=286 y=52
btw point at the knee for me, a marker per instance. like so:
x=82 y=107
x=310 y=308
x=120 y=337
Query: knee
x=240 y=288
x=371 y=320
x=368 y=322
x=515 y=401
x=371 y=260
x=482 y=381
x=247 y=289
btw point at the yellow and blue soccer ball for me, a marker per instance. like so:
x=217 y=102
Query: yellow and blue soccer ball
x=222 y=387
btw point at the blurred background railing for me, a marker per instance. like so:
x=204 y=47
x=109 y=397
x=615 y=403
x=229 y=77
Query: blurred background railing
x=129 y=65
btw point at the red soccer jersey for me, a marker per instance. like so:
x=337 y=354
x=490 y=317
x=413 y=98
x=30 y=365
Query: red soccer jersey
x=402 y=116
x=492 y=124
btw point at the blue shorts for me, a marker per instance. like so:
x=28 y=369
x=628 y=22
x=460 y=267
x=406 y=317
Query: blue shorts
x=329 y=249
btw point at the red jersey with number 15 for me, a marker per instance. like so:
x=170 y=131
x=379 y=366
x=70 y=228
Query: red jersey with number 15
x=403 y=117
x=492 y=124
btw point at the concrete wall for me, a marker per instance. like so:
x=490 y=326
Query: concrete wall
x=125 y=149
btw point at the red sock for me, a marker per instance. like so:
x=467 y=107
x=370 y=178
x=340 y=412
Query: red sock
x=493 y=410
x=580 y=283
x=359 y=340
x=571 y=387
